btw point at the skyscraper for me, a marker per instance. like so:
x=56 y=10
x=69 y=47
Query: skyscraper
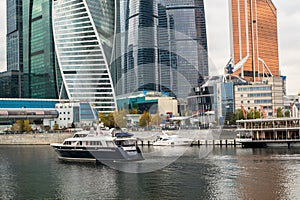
x=165 y=45
x=14 y=39
x=41 y=77
x=14 y=35
x=84 y=40
x=140 y=63
x=254 y=39
x=183 y=58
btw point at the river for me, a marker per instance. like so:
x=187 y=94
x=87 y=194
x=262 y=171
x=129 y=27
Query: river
x=33 y=172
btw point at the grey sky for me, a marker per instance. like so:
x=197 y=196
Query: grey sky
x=218 y=37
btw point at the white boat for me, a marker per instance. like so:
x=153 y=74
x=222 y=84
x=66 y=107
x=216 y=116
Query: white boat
x=269 y=132
x=172 y=140
x=102 y=145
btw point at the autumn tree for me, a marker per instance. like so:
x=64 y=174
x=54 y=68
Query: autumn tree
x=120 y=119
x=134 y=111
x=156 y=119
x=144 y=119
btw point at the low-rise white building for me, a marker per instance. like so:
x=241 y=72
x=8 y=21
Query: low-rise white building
x=77 y=113
x=267 y=94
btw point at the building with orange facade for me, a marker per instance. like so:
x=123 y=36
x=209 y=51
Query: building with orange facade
x=254 y=39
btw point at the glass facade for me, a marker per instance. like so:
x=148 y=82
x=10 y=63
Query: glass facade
x=254 y=39
x=41 y=77
x=14 y=43
x=184 y=22
x=164 y=45
x=84 y=38
x=14 y=35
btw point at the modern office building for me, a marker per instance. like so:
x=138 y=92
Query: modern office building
x=254 y=39
x=266 y=95
x=84 y=33
x=139 y=22
x=9 y=84
x=182 y=38
x=41 y=77
x=214 y=98
x=14 y=47
x=165 y=46
x=14 y=35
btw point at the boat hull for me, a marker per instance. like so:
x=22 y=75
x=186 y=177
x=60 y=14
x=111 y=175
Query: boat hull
x=269 y=144
x=162 y=143
x=97 y=154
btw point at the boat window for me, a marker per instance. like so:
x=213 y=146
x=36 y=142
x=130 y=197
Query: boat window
x=109 y=144
x=128 y=142
x=67 y=143
x=118 y=143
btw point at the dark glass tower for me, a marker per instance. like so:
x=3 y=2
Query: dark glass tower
x=14 y=42
x=41 y=73
x=183 y=57
x=140 y=64
x=163 y=45
x=14 y=35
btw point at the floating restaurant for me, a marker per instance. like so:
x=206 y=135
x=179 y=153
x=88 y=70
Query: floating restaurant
x=269 y=132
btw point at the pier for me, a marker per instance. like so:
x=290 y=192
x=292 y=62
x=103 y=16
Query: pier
x=222 y=142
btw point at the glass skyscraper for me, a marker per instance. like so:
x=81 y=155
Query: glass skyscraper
x=14 y=45
x=254 y=39
x=39 y=64
x=14 y=35
x=84 y=33
x=164 y=45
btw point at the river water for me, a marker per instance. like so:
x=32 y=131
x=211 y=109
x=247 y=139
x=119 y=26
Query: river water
x=33 y=172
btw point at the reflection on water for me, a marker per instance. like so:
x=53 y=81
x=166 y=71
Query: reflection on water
x=33 y=172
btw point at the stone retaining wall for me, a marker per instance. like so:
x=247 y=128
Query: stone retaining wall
x=33 y=139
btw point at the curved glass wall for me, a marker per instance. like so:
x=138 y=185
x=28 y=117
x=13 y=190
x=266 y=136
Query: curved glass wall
x=83 y=32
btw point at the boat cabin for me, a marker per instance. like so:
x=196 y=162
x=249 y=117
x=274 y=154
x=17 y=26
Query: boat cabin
x=269 y=129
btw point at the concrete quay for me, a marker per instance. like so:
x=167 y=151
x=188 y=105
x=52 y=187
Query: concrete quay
x=33 y=139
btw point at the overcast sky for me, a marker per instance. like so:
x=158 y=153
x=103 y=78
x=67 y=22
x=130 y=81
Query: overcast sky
x=217 y=18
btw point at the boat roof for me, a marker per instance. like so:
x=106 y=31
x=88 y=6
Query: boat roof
x=268 y=119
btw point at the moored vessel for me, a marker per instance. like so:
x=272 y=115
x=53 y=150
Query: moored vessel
x=171 y=140
x=269 y=132
x=100 y=145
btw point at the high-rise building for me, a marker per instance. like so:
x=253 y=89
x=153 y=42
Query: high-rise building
x=164 y=45
x=182 y=37
x=254 y=39
x=41 y=76
x=14 y=35
x=14 y=45
x=139 y=36
x=84 y=33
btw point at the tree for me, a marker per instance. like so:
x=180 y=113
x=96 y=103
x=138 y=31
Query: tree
x=134 y=111
x=287 y=113
x=107 y=120
x=144 y=119
x=55 y=127
x=27 y=126
x=156 y=119
x=237 y=115
x=120 y=118
x=279 y=112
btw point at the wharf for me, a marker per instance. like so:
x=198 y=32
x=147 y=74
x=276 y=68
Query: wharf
x=222 y=142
